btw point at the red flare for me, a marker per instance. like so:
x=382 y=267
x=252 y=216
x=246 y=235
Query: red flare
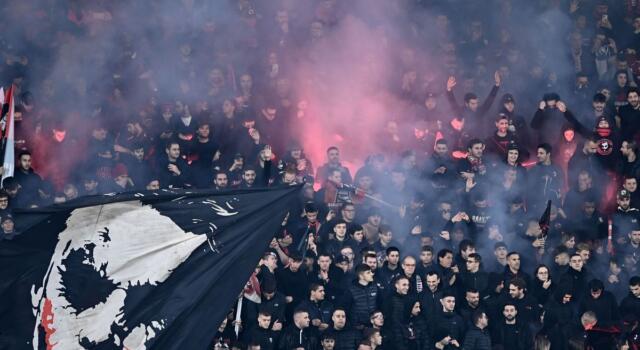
x=59 y=135
x=459 y=154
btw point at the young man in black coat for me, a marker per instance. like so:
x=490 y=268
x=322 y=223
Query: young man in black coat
x=631 y=303
x=263 y=333
x=510 y=333
x=602 y=303
x=477 y=337
x=447 y=327
x=362 y=297
x=298 y=334
x=346 y=338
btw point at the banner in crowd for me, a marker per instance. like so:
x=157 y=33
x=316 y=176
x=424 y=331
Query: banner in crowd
x=7 y=135
x=149 y=270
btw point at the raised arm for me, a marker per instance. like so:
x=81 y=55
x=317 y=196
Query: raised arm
x=451 y=83
x=492 y=95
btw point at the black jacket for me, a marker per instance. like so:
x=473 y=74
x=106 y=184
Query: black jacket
x=360 y=301
x=576 y=281
x=630 y=305
x=294 y=337
x=477 y=339
x=168 y=178
x=512 y=337
x=346 y=338
x=397 y=311
x=605 y=307
x=430 y=301
x=317 y=311
x=385 y=275
x=443 y=324
x=30 y=183
x=267 y=338
x=478 y=281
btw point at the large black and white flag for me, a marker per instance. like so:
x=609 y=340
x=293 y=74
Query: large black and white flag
x=152 y=270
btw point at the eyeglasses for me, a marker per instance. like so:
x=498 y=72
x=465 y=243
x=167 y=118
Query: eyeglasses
x=445 y=210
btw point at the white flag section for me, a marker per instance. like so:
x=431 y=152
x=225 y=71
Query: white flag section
x=1 y=96
x=9 y=163
x=129 y=245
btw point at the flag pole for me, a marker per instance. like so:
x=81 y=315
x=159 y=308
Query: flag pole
x=238 y=312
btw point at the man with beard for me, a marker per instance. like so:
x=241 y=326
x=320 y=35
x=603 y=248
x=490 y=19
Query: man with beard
x=632 y=249
x=629 y=116
x=631 y=303
x=471 y=304
x=545 y=179
x=172 y=170
x=517 y=124
x=362 y=297
x=497 y=144
x=629 y=165
x=511 y=332
x=220 y=180
x=203 y=152
x=625 y=218
x=545 y=120
x=30 y=182
x=471 y=115
x=333 y=193
x=602 y=303
x=333 y=163
x=525 y=303
x=599 y=110
x=440 y=168
x=139 y=169
x=472 y=164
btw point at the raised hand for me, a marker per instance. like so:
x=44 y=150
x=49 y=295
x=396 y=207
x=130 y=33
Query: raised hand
x=561 y=106
x=542 y=105
x=451 y=82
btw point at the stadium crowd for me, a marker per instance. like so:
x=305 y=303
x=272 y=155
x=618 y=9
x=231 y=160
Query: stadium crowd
x=501 y=222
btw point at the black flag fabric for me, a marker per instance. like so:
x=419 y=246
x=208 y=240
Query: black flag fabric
x=149 y=270
x=545 y=220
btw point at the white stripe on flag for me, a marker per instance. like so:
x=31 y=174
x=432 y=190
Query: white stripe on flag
x=9 y=151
